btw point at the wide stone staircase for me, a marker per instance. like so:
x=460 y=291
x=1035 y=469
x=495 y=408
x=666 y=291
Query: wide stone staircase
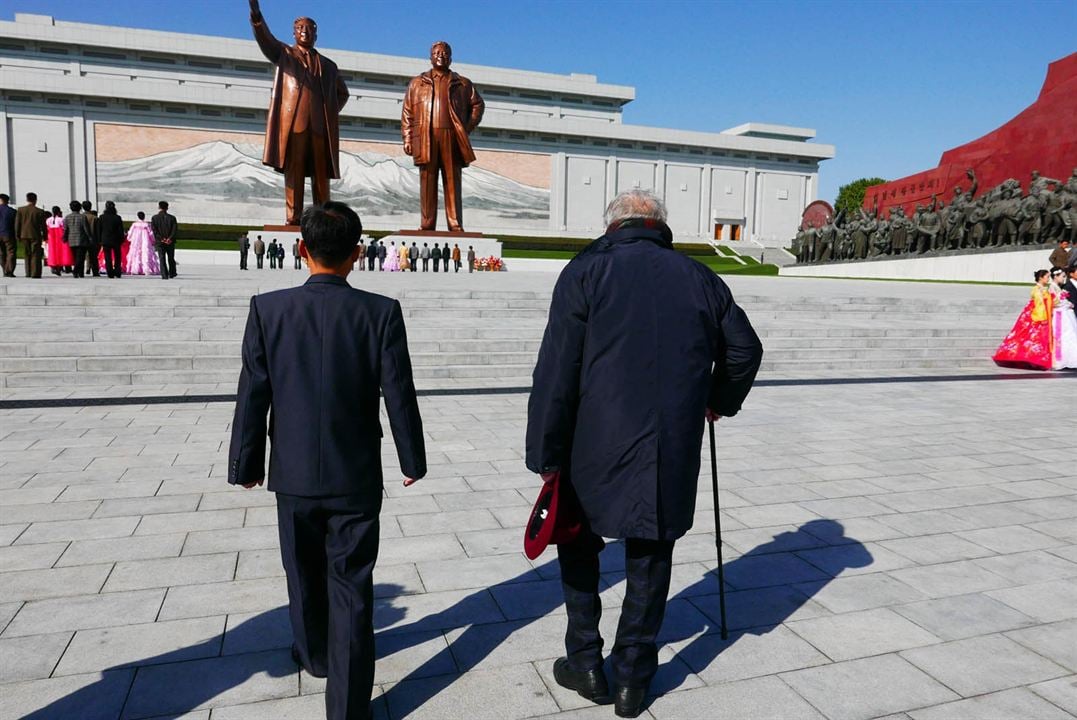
x=61 y=333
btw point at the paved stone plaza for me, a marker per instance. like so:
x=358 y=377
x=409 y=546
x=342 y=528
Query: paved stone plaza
x=891 y=549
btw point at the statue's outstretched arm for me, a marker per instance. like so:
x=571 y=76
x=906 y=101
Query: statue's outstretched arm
x=270 y=46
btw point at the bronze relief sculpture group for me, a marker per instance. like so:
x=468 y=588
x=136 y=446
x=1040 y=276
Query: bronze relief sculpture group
x=441 y=109
x=1003 y=216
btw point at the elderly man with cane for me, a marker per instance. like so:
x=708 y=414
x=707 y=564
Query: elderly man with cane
x=641 y=345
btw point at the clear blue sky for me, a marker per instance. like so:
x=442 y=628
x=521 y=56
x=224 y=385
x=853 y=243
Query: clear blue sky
x=891 y=84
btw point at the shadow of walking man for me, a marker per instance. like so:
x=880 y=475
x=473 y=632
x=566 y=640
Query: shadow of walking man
x=766 y=585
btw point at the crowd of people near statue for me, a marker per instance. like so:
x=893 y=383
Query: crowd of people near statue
x=1045 y=334
x=83 y=241
x=1003 y=216
x=374 y=256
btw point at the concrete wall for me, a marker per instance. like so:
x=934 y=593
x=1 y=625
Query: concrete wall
x=1017 y=266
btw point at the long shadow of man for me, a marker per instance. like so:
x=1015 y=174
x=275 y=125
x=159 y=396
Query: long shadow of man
x=763 y=597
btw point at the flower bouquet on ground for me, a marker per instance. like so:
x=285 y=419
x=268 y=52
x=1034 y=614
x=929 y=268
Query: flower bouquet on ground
x=492 y=263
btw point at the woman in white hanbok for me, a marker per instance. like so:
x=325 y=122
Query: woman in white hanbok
x=141 y=256
x=1063 y=325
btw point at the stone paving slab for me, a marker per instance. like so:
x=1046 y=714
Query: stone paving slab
x=915 y=567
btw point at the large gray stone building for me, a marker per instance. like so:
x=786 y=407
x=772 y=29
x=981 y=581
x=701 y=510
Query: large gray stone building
x=111 y=113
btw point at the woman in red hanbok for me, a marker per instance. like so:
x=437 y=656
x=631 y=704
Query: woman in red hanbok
x=1029 y=344
x=60 y=257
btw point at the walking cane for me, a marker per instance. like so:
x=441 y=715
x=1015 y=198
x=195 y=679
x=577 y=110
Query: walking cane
x=718 y=531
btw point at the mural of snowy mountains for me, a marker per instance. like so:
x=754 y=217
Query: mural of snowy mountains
x=226 y=181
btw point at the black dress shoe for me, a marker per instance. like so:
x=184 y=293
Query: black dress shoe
x=590 y=684
x=628 y=701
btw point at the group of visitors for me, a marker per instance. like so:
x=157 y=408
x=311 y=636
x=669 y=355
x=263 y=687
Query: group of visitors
x=1045 y=334
x=84 y=242
x=375 y=256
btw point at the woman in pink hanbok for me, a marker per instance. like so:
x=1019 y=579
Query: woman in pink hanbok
x=141 y=256
x=392 y=259
x=60 y=256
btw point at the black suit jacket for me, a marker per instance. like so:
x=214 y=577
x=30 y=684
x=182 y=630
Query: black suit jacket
x=1071 y=288
x=313 y=359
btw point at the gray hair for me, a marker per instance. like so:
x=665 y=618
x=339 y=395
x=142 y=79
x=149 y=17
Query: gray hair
x=635 y=204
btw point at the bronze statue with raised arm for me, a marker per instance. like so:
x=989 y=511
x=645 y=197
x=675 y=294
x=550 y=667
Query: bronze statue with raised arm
x=303 y=128
x=441 y=109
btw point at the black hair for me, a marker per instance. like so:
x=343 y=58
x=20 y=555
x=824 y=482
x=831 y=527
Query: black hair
x=87 y=205
x=163 y=205
x=1038 y=274
x=331 y=232
x=31 y=197
x=110 y=207
x=141 y=215
x=4 y=197
x=56 y=210
x=75 y=205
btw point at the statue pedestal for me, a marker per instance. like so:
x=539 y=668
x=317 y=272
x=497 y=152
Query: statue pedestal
x=484 y=245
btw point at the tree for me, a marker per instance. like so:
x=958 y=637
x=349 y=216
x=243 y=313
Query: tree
x=851 y=196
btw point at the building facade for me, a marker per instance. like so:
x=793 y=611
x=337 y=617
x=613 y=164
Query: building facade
x=110 y=113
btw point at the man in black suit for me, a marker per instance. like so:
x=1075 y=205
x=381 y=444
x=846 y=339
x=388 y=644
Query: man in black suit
x=244 y=248
x=435 y=255
x=371 y=255
x=382 y=253
x=616 y=417
x=165 y=228
x=1071 y=285
x=314 y=359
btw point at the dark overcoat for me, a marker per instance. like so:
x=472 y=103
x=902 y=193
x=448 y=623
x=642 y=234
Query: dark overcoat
x=640 y=341
x=314 y=359
x=465 y=110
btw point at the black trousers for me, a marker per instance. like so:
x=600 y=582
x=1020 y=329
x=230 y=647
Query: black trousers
x=93 y=265
x=446 y=261
x=426 y=264
x=33 y=255
x=329 y=546
x=648 y=564
x=258 y=259
x=298 y=263
x=79 y=269
x=113 y=266
x=8 y=254
x=370 y=263
x=243 y=259
x=166 y=256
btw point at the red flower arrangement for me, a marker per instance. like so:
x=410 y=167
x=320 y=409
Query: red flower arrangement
x=492 y=263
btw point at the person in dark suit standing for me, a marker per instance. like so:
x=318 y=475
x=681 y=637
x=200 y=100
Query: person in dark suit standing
x=31 y=231
x=314 y=359
x=271 y=250
x=371 y=255
x=244 y=248
x=8 y=246
x=435 y=254
x=108 y=231
x=281 y=253
x=165 y=229
x=642 y=345
x=446 y=253
x=382 y=252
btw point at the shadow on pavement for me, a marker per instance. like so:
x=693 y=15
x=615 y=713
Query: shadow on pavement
x=765 y=586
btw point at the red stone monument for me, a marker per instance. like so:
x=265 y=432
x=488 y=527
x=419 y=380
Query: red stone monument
x=1042 y=137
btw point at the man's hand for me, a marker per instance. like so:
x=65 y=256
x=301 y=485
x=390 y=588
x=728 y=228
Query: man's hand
x=408 y=482
x=549 y=477
x=407 y=145
x=258 y=482
x=712 y=416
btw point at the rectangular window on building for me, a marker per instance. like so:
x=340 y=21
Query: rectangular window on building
x=156 y=59
x=250 y=68
x=53 y=50
x=104 y=55
x=205 y=64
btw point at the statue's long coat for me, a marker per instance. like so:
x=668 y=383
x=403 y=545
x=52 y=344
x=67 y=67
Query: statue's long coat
x=640 y=341
x=287 y=87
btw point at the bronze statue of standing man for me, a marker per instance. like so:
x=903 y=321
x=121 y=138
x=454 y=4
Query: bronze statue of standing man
x=440 y=109
x=303 y=128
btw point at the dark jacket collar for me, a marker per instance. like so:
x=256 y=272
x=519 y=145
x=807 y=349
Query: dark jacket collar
x=658 y=235
x=327 y=278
